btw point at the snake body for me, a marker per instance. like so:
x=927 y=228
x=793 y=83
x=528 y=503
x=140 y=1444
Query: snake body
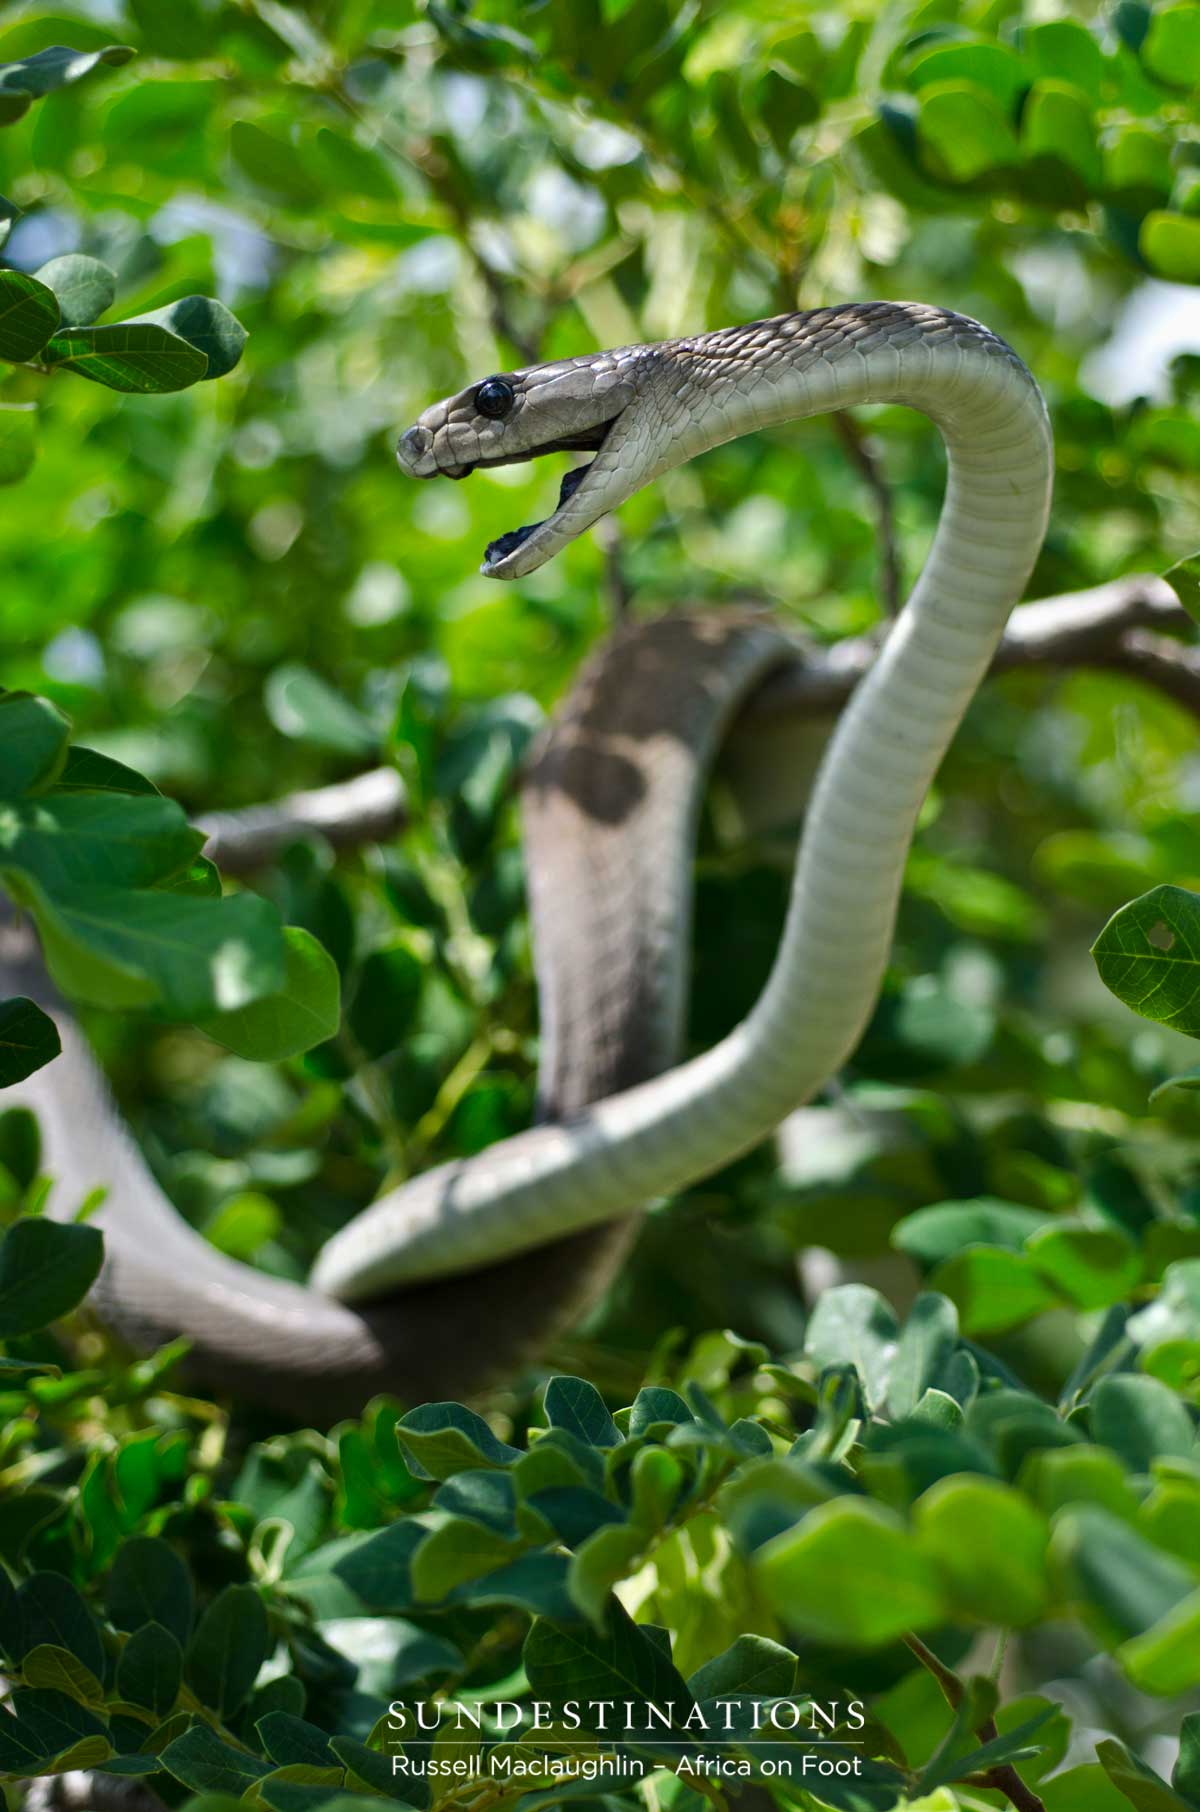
x=437 y=1265
x=644 y=409
x=617 y=780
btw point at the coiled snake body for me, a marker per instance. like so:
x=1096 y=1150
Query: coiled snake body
x=427 y=1290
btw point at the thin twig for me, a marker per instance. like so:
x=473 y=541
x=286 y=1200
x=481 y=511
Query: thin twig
x=866 y=460
x=1004 y=1777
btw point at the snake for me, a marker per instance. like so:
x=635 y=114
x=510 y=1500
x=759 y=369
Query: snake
x=452 y=1276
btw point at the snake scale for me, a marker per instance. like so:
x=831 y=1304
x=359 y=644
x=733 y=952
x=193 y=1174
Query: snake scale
x=430 y=1290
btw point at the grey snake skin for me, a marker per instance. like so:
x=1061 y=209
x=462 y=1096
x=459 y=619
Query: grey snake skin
x=456 y=1275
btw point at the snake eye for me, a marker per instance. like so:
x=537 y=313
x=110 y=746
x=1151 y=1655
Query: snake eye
x=494 y=398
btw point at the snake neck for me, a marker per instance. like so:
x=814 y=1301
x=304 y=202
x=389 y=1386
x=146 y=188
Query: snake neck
x=657 y=1137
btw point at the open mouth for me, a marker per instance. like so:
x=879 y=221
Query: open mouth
x=507 y=544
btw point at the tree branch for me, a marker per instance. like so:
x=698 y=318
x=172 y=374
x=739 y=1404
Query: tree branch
x=1109 y=626
x=1101 y=627
x=354 y=811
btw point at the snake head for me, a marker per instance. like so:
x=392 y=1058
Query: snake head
x=572 y=405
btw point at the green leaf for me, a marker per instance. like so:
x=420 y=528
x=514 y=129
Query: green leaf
x=33 y=744
x=753 y=1667
x=386 y=998
x=965 y=132
x=107 y=839
x=441 y=1439
x=58 y=1670
x=303 y=1013
x=84 y=287
x=1171 y=50
x=927 y=1344
x=1144 y=1789
x=150 y=1670
x=136 y=356
x=1117 y=1581
x=853 y=1325
x=28 y=310
x=1066 y=50
x=272 y=164
x=654 y=1404
x=289 y=1739
x=183 y=30
x=1184 y=580
x=302 y=705
x=230 y=1644
x=992 y=68
x=1186 y=1775
x=28 y=1040
x=25 y=81
x=87 y=771
x=208 y=326
x=989 y=1547
x=46 y=1270
x=1140 y=1419
x=204 y=1763
x=536 y=1583
x=577 y=1406
x=150 y=1584
x=458 y=1551
x=10 y=213
x=18 y=441
x=1090 y=1266
x=244 y=1224
x=348 y=168
x=113 y=946
x=617 y=1661
x=993 y=1289
x=52 y=1614
x=1057 y=122
x=851 y=1574
x=1165 y=1659
x=58 y=1723
x=1012 y=1745
x=1170 y=244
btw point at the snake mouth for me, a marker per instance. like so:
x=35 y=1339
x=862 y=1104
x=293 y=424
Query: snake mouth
x=498 y=559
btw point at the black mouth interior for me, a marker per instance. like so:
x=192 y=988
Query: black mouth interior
x=589 y=442
x=508 y=543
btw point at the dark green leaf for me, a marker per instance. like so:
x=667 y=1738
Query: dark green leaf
x=84 y=287
x=301 y=1014
x=46 y=1270
x=150 y=1669
x=150 y=1584
x=137 y=356
x=204 y=1763
x=28 y=1040
x=28 y=310
x=53 y=1614
x=24 y=82
x=230 y=1644
x=577 y=1406
x=1149 y=956
x=206 y=325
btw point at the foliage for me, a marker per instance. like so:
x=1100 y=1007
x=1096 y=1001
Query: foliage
x=888 y=1484
x=230 y=593
x=130 y=913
